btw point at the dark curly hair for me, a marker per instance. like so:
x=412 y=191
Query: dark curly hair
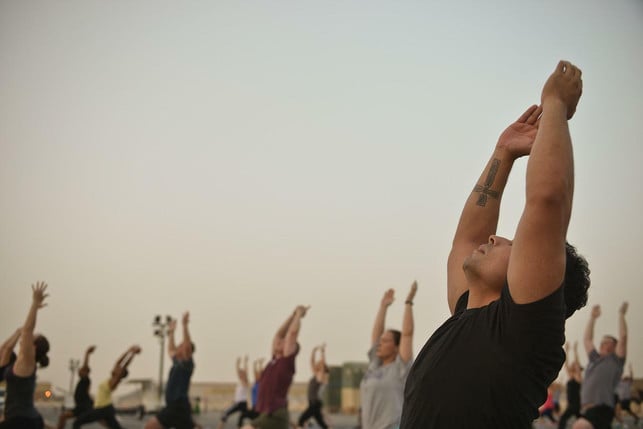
x=576 y=280
x=42 y=348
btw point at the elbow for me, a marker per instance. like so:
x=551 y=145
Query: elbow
x=550 y=194
x=551 y=202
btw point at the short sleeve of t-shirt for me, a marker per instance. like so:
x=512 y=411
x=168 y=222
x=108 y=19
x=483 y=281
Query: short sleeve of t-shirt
x=462 y=303
x=543 y=317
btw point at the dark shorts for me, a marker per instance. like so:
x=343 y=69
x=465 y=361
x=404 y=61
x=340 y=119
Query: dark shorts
x=176 y=415
x=23 y=423
x=279 y=419
x=626 y=403
x=600 y=416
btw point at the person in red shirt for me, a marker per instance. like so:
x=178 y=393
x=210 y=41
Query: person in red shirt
x=272 y=401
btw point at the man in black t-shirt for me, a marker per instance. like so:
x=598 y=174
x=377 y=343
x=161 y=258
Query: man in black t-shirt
x=177 y=412
x=502 y=347
x=83 y=402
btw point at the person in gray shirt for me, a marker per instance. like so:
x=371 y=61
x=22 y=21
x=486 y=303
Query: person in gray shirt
x=602 y=374
x=390 y=358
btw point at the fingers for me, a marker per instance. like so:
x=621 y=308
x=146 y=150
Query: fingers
x=534 y=118
x=39 y=287
x=528 y=113
x=569 y=70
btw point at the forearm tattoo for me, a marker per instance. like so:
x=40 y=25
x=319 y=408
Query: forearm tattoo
x=484 y=190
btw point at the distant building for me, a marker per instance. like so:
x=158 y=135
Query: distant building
x=341 y=394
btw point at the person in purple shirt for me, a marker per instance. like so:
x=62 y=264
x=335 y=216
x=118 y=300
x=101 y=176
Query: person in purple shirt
x=272 y=403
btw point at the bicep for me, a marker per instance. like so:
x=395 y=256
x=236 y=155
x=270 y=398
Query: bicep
x=290 y=344
x=26 y=359
x=537 y=262
x=406 y=348
x=26 y=350
x=621 y=347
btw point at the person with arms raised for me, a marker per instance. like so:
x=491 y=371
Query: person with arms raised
x=277 y=376
x=390 y=357
x=104 y=410
x=83 y=402
x=603 y=373
x=20 y=376
x=177 y=412
x=509 y=299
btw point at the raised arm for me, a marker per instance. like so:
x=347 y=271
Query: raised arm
x=538 y=257
x=321 y=374
x=621 y=345
x=258 y=368
x=290 y=345
x=479 y=217
x=7 y=347
x=380 y=317
x=242 y=371
x=588 y=337
x=313 y=355
x=120 y=368
x=88 y=352
x=406 y=340
x=578 y=372
x=171 y=344
x=568 y=366
x=280 y=335
x=25 y=363
x=187 y=339
x=322 y=355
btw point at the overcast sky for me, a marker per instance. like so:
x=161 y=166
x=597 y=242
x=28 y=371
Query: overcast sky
x=237 y=158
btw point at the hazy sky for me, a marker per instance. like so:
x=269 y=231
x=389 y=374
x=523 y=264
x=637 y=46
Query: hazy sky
x=237 y=158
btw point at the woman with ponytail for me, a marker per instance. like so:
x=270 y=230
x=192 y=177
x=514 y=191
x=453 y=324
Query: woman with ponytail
x=20 y=412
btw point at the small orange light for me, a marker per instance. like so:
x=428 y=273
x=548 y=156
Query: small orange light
x=47 y=394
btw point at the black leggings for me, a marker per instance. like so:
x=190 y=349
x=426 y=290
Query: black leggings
x=22 y=423
x=249 y=414
x=240 y=407
x=106 y=414
x=313 y=410
x=570 y=411
x=600 y=416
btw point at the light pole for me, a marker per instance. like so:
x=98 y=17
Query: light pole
x=73 y=367
x=160 y=331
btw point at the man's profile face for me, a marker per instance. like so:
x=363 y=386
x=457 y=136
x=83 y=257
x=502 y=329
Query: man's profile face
x=490 y=261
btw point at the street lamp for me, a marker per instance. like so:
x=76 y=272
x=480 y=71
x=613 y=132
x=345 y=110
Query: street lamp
x=73 y=367
x=161 y=331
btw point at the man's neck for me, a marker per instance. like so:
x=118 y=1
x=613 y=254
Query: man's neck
x=481 y=295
